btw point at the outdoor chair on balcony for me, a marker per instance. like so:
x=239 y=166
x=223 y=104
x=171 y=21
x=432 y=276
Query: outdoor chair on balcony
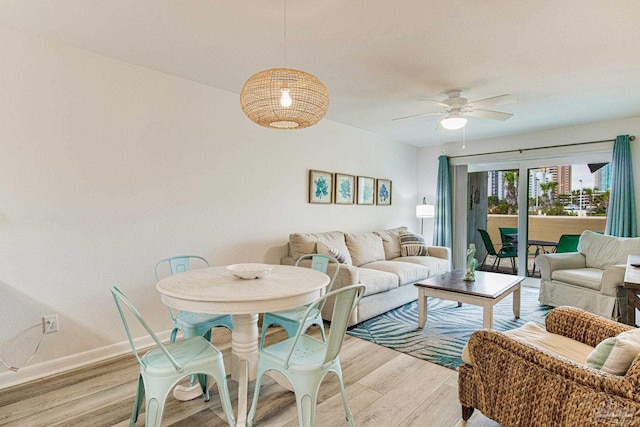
x=567 y=243
x=509 y=252
x=509 y=238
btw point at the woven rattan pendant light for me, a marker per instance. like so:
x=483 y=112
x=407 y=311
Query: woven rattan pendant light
x=283 y=98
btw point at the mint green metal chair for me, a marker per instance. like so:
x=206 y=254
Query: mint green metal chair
x=163 y=367
x=305 y=360
x=291 y=319
x=191 y=324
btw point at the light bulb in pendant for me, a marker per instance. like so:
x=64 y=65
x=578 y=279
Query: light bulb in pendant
x=285 y=99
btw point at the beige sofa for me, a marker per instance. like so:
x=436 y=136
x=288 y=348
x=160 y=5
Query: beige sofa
x=374 y=260
x=591 y=278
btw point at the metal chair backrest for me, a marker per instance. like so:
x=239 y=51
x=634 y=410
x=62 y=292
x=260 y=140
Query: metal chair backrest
x=121 y=300
x=506 y=235
x=345 y=302
x=568 y=243
x=179 y=264
x=488 y=244
x=321 y=263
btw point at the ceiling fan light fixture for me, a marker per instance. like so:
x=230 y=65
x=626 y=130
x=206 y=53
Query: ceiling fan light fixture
x=453 y=121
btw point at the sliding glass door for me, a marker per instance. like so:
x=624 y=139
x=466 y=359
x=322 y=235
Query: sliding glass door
x=526 y=207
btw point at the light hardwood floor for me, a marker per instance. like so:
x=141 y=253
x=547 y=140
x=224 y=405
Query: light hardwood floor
x=384 y=388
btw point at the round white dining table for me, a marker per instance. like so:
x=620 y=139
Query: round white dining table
x=215 y=290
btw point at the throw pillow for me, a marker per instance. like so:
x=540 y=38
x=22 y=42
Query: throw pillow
x=412 y=244
x=323 y=249
x=614 y=355
x=364 y=248
x=391 y=241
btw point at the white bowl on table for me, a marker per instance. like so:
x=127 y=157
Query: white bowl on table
x=250 y=270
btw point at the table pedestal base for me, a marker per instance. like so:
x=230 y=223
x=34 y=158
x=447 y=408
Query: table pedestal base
x=244 y=345
x=244 y=358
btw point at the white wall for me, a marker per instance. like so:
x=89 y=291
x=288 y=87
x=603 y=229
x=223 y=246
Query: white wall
x=552 y=137
x=107 y=167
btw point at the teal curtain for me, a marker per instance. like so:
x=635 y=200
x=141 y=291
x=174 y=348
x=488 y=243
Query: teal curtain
x=621 y=215
x=442 y=232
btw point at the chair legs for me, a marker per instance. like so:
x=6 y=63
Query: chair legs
x=484 y=260
x=306 y=392
x=154 y=409
x=156 y=393
x=174 y=334
x=138 y=402
x=290 y=327
x=496 y=261
x=347 y=411
x=496 y=264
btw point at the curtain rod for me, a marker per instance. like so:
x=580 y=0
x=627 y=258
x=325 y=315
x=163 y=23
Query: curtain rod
x=520 y=150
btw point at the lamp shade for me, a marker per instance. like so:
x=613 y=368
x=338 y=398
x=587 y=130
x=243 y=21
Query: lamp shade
x=453 y=121
x=283 y=98
x=425 y=211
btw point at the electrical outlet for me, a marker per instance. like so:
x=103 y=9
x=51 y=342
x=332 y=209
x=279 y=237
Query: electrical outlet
x=50 y=324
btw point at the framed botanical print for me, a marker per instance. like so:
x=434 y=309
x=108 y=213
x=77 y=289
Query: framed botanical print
x=320 y=187
x=383 y=192
x=366 y=190
x=345 y=189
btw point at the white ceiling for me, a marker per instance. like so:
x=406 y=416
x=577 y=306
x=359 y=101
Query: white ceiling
x=568 y=62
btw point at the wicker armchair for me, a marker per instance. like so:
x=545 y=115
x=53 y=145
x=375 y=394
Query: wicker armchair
x=517 y=384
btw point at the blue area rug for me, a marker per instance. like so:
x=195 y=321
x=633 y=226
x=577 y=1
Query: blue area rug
x=448 y=326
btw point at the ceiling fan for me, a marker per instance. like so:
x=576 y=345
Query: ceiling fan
x=456 y=107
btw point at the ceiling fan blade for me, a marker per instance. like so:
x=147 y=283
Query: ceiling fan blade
x=417 y=115
x=486 y=114
x=438 y=103
x=488 y=102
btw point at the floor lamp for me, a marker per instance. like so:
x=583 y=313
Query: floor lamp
x=424 y=211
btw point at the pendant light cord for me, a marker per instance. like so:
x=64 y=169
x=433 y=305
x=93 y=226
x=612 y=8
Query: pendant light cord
x=285 y=33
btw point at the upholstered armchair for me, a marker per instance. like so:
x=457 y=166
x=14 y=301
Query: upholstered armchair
x=516 y=383
x=591 y=278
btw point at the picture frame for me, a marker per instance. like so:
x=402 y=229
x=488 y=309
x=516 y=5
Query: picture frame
x=366 y=190
x=383 y=192
x=320 y=187
x=344 y=189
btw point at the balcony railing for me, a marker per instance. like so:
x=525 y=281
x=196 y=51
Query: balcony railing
x=548 y=228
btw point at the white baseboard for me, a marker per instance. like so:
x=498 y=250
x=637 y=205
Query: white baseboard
x=63 y=364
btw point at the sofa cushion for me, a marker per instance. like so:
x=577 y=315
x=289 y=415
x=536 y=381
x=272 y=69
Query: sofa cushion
x=412 y=244
x=376 y=281
x=342 y=257
x=391 y=241
x=601 y=251
x=585 y=277
x=614 y=355
x=405 y=272
x=364 y=248
x=537 y=336
x=434 y=265
x=305 y=243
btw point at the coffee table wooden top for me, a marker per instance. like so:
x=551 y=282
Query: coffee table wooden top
x=488 y=285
